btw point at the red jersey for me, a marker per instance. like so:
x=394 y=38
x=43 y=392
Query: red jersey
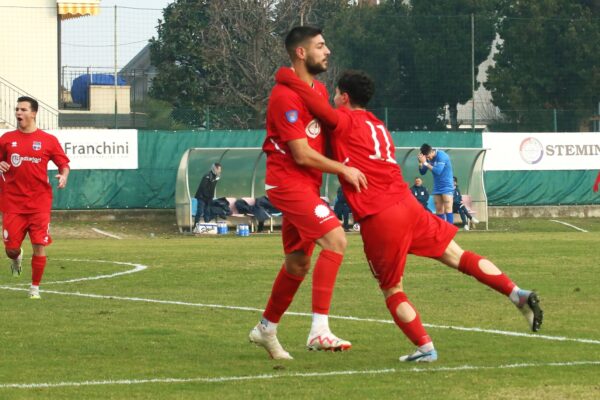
x=289 y=119
x=362 y=141
x=26 y=188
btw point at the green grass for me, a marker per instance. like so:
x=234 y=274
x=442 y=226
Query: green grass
x=70 y=338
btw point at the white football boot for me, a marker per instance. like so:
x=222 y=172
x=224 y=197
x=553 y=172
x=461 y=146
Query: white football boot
x=420 y=356
x=34 y=292
x=268 y=340
x=15 y=265
x=327 y=341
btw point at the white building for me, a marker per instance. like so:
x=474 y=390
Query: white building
x=30 y=47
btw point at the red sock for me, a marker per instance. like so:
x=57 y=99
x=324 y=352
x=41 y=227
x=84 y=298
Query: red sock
x=284 y=288
x=38 y=263
x=324 y=274
x=469 y=265
x=414 y=329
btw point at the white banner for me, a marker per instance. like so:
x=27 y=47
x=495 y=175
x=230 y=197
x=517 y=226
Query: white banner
x=98 y=148
x=526 y=151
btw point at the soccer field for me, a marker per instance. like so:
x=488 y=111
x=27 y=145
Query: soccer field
x=164 y=316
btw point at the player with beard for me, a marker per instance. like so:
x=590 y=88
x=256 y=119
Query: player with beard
x=26 y=192
x=294 y=146
x=392 y=222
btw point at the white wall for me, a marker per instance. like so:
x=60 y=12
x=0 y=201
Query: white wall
x=29 y=47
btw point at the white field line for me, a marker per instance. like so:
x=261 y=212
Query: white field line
x=106 y=234
x=569 y=225
x=301 y=314
x=137 y=268
x=220 y=379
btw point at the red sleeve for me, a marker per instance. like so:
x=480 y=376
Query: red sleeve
x=317 y=104
x=2 y=152
x=597 y=182
x=285 y=112
x=58 y=156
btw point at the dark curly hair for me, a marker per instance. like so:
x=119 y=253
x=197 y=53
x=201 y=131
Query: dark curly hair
x=358 y=85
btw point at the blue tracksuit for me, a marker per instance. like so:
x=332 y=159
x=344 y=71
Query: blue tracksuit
x=443 y=176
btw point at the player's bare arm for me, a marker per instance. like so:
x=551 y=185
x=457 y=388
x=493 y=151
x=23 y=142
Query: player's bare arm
x=62 y=177
x=306 y=156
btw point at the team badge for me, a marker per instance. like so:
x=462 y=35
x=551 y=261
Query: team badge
x=13 y=144
x=15 y=159
x=37 y=145
x=291 y=116
x=313 y=129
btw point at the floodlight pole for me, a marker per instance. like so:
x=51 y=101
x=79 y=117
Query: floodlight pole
x=473 y=72
x=116 y=74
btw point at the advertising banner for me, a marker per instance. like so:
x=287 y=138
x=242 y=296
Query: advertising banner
x=98 y=148
x=526 y=151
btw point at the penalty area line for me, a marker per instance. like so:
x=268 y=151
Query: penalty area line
x=569 y=225
x=301 y=314
x=221 y=379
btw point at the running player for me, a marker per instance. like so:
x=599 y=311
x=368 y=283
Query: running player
x=393 y=224
x=26 y=192
x=294 y=146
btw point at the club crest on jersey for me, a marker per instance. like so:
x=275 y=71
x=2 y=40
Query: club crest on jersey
x=313 y=129
x=291 y=116
x=15 y=160
x=37 y=145
x=13 y=144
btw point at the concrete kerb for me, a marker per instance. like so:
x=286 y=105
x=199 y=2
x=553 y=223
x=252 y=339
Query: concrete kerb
x=579 y=211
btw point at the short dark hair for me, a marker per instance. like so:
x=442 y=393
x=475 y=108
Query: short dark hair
x=32 y=102
x=217 y=165
x=425 y=149
x=298 y=35
x=358 y=85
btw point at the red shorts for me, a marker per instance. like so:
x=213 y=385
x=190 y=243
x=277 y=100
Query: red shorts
x=306 y=217
x=16 y=226
x=404 y=228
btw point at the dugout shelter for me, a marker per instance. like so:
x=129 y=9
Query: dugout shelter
x=244 y=176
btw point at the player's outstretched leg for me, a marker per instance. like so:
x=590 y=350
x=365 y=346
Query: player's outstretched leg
x=487 y=273
x=16 y=263
x=408 y=320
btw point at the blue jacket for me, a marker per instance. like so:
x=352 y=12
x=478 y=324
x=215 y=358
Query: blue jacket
x=443 y=176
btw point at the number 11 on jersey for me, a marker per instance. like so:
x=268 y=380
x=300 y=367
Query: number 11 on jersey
x=379 y=146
